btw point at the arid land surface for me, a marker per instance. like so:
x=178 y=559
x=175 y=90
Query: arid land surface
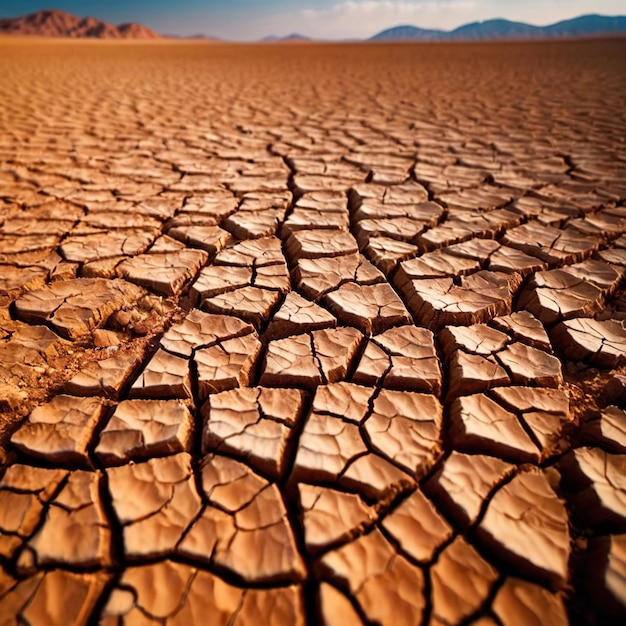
x=312 y=334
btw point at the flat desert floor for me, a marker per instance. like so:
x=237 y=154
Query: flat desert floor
x=312 y=334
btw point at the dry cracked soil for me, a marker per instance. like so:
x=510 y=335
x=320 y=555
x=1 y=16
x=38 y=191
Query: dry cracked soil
x=312 y=334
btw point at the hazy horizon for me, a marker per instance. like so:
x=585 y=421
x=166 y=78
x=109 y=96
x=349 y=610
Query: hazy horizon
x=245 y=20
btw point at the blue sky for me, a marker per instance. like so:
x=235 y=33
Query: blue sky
x=330 y=19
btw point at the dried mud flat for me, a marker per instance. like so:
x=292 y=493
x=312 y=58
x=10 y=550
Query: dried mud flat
x=312 y=334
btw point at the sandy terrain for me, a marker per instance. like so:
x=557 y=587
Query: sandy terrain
x=312 y=334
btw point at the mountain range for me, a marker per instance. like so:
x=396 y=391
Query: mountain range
x=289 y=38
x=491 y=30
x=52 y=23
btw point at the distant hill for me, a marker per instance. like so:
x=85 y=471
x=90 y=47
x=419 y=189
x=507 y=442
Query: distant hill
x=495 y=29
x=491 y=30
x=52 y=23
x=136 y=31
x=409 y=33
x=199 y=36
x=292 y=37
x=588 y=25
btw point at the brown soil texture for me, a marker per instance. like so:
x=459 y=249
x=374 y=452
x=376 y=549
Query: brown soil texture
x=314 y=334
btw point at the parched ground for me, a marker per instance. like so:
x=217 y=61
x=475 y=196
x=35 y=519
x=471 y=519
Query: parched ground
x=312 y=334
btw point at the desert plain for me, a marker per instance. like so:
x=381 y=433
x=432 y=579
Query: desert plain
x=312 y=334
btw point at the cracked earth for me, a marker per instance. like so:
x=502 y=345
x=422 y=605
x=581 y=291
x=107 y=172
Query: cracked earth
x=300 y=335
